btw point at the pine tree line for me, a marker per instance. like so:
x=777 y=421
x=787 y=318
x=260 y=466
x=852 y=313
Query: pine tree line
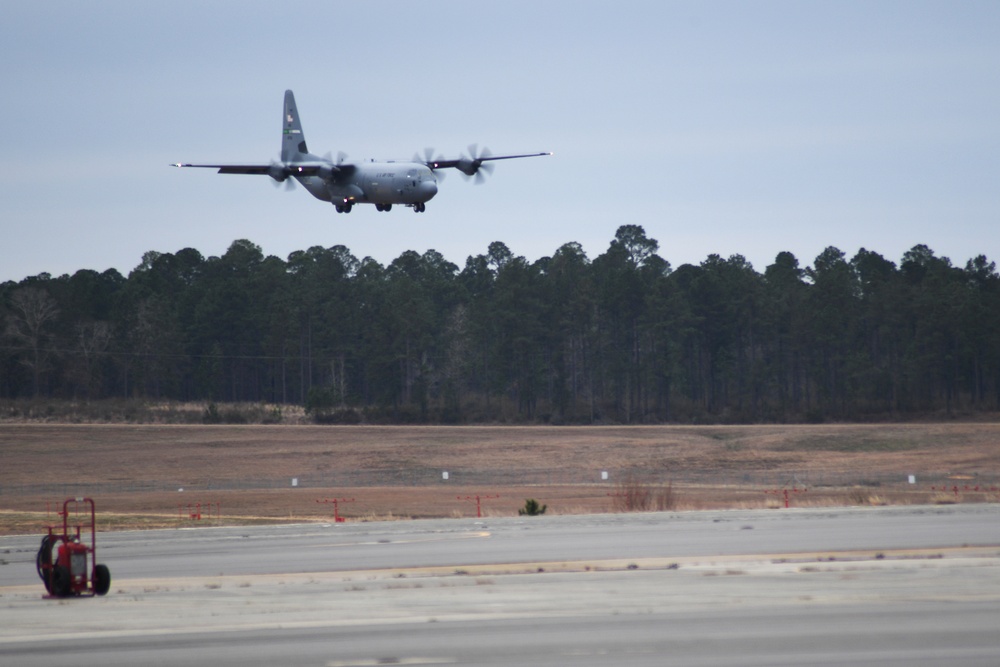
x=621 y=338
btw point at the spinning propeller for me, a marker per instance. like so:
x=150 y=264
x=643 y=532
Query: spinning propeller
x=431 y=161
x=476 y=164
x=280 y=173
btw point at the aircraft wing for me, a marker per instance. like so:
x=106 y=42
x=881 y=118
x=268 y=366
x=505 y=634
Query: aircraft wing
x=230 y=168
x=463 y=163
x=262 y=169
x=278 y=170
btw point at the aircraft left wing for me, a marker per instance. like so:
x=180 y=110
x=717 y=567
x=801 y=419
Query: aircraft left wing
x=470 y=166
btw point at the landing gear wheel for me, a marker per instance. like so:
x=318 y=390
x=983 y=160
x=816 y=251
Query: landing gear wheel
x=102 y=579
x=419 y=208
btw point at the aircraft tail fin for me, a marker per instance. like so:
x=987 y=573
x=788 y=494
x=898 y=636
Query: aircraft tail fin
x=293 y=141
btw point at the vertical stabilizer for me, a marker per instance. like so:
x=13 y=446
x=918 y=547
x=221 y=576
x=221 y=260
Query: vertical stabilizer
x=293 y=142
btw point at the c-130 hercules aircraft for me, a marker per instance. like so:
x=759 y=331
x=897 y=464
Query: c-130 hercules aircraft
x=344 y=184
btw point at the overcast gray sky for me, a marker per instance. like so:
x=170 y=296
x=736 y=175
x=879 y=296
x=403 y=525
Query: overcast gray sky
x=720 y=127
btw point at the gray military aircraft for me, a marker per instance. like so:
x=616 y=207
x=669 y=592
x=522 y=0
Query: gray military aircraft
x=383 y=183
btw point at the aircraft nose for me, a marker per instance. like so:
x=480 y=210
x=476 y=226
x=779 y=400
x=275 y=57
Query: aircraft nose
x=428 y=189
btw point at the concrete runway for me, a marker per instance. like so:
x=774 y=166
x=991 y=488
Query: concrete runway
x=860 y=586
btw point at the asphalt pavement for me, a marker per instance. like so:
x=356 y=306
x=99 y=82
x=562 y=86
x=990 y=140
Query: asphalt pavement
x=895 y=585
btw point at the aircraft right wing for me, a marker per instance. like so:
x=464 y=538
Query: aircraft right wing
x=230 y=168
x=261 y=169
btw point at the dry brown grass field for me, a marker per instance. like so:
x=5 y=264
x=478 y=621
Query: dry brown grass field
x=243 y=474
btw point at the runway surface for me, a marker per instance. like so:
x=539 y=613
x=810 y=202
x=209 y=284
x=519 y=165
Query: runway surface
x=860 y=586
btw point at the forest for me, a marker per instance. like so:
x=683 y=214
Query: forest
x=622 y=338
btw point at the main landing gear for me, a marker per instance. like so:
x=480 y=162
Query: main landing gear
x=417 y=208
x=349 y=206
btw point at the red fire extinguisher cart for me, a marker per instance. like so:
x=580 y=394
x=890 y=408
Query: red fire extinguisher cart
x=66 y=564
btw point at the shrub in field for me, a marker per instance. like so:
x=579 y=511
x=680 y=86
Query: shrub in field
x=632 y=495
x=345 y=416
x=861 y=496
x=532 y=508
x=857 y=496
x=944 y=498
x=212 y=414
x=664 y=498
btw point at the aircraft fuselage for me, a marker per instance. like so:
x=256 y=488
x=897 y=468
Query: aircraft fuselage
x=379 y=183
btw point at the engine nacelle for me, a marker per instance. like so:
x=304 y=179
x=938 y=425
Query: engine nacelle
x=278 y=172
x=327 y=171
x=467 y=166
